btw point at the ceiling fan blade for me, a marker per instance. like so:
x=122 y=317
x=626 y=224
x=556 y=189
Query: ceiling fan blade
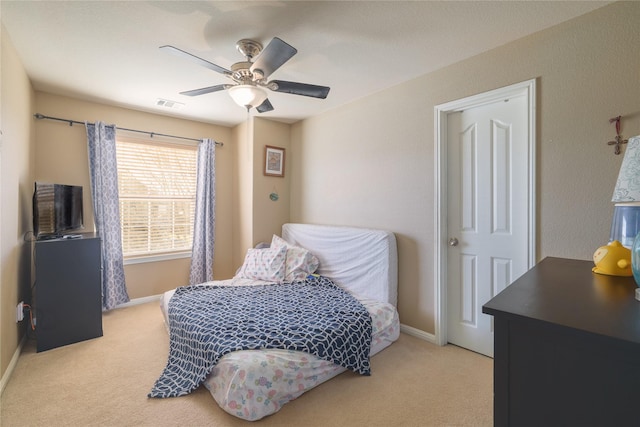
x=202 y=91
x=210 y=65
x=273 y=56
x=301 y=89
x=264 y=107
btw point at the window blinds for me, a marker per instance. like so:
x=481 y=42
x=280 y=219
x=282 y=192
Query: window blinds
x=157 y=189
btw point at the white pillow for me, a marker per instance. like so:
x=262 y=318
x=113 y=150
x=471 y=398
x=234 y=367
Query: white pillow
x=264 y=264
x=300 y=262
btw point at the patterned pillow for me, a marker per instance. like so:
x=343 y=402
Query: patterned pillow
x=264 y=264
x=300 y=262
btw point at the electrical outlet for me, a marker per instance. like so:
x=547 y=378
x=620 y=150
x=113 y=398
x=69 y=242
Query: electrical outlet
x=20 y=312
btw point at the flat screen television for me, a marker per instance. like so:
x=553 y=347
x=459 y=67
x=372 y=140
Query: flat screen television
x=57 y=210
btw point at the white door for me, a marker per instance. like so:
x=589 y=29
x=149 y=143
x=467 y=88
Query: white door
x=488 y=212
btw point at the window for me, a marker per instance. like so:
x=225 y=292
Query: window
x=157 y=190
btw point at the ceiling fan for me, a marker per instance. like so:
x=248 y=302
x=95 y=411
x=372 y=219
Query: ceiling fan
x=251 y=76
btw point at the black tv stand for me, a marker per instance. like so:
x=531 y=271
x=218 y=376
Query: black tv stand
x=68 y=290
x=60 y=236
x=49 y=237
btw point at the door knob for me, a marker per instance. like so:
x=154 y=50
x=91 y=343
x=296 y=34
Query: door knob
x=453 y=241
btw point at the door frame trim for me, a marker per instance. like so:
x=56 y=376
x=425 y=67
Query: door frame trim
x=441 y=112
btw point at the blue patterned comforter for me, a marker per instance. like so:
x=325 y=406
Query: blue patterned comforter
x=314 y=316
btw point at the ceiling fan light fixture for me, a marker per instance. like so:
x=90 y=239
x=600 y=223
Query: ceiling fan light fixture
x=248 y=96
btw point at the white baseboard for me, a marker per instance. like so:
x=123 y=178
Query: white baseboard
x=12 y=365
x=14 y=360
x=138 y=301
x=409 y=330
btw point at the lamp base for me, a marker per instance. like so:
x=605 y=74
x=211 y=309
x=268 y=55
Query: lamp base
x=625 y=224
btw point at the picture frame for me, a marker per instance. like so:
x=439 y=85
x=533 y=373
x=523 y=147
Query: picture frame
x=274 y=161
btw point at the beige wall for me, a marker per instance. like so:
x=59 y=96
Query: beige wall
x=268 y=216
x=243 y=190
x=16 y=186
x=257 y=216
x=371 y=163
x=61 y=156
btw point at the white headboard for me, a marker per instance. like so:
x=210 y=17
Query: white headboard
x=364 y=261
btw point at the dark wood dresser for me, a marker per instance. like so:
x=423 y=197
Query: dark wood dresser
x=567 y=348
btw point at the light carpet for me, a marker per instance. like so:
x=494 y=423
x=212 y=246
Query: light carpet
x=105 y=381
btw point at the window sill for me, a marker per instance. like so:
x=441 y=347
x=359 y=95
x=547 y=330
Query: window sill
x=155 y=258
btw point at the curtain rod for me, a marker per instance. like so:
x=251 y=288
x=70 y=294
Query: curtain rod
x=151 y=134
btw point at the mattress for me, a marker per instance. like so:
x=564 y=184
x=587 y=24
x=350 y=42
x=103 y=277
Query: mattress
x=363 y=261
x=251 y=384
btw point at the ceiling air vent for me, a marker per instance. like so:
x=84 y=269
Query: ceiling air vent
x=169 y=104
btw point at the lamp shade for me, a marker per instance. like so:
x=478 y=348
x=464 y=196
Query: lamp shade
x=628 y=184
x=247 y=95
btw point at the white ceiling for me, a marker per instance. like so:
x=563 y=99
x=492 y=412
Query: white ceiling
x=107 y=51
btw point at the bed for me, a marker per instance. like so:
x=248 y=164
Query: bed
x=252 y=384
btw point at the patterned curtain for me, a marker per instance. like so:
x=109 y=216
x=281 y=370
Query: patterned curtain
x=101 y=140
x=205 y=216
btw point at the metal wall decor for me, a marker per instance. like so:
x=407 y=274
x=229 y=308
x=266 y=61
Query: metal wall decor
x=618 y=139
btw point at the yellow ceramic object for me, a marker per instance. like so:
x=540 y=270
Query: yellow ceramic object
x=613 y=260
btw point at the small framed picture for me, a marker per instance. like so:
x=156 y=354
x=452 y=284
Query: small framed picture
x=273 y=161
